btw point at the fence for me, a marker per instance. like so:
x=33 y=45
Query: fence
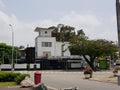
x=19 y=66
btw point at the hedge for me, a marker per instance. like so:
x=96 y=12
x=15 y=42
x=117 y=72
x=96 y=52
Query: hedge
x=13 y=77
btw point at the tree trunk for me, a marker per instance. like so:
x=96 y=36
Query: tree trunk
x=90 y=62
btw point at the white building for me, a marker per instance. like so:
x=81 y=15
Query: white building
x=46 y=45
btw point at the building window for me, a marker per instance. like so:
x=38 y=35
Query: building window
x=45 y=32
x=46 y=44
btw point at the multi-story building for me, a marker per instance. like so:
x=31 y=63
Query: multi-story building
x=52 y=54
x=47 y=46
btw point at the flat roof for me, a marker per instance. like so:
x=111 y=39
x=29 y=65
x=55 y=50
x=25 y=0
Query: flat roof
x=38 y=29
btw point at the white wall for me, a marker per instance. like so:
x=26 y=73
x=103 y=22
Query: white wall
x=58 y=49
x=5 y=66
x=43 y=34
x=67 y=52
x=40 y=49
x=19 y=66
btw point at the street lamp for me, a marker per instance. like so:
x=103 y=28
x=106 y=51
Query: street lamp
x=12 y=67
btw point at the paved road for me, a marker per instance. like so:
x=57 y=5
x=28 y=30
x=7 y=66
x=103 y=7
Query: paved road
x=75 y=79
x=63 y=79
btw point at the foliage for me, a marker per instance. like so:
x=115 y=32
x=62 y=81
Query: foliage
x=64 y=34
x=12 y=77
x=80 y=45
x=88 y=70
x=103 y=64
x=116 y=69
x=21 y=47
x=20 y=77
x=6 y=76
x=6 y=52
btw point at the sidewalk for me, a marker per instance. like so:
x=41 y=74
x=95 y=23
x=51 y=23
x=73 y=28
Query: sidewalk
x=19 y=88
x=106 y=79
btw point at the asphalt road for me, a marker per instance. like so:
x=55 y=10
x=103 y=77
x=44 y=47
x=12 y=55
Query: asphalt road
x=65 y=79
x=76 y=79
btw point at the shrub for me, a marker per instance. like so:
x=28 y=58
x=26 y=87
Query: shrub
x=10 y=76
x=20 y=77
x=6 y=76
x=116 y=69
x=88 y=70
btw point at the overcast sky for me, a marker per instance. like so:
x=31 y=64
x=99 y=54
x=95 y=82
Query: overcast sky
x=96 y=17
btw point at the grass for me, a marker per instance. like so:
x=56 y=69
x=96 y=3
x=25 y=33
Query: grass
x=8 y=84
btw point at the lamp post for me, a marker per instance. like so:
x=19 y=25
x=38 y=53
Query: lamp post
x=12 y=67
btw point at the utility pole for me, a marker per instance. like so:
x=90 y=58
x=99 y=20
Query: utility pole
x=12 y=64
x=118 y=24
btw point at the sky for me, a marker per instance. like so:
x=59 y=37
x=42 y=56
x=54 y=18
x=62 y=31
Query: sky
x=97 y=18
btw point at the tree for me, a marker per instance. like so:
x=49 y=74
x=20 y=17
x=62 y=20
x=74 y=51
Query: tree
x=66 y=32
x=93 y=49
x=55 y=33
x=21 y=47
x=6 y=52
x=81 y=33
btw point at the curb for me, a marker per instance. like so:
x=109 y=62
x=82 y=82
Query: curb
x=51 y=88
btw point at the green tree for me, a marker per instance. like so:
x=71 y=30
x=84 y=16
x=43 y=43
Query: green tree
x=55 y=33
x=6 y=53
x=81 y=33
x=21 y=47
x=92 y=49
x=66 y=32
